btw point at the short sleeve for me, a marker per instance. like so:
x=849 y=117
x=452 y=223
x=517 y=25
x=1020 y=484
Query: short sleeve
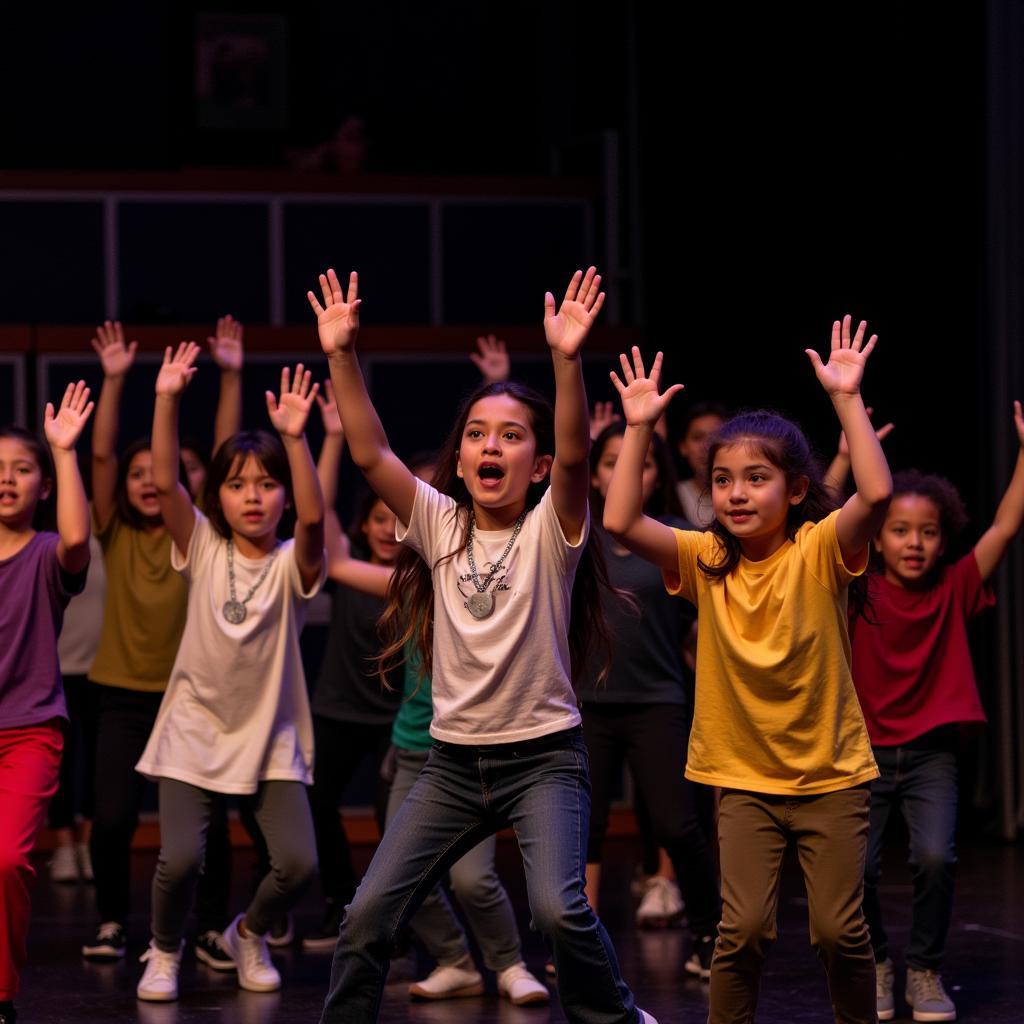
x=109 y=531
x=973 y=593
x=201 y=547
x=554 y=537
x=683 y=582
x=819 y=548
x=295 y=576
x=62 y=585
x=433 y=514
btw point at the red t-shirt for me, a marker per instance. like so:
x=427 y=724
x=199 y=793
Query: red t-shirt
x=912 y=664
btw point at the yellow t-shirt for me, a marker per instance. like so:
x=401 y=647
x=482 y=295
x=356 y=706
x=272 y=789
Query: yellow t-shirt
x=144 y=614
x=776 y=710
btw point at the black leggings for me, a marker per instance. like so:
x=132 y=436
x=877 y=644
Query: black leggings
x=652 y=740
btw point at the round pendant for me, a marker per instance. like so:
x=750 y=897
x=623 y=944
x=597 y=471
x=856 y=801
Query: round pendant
x=480 y=605
x=234 y=612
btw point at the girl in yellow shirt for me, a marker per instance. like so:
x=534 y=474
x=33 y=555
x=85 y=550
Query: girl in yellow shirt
x=777 y=724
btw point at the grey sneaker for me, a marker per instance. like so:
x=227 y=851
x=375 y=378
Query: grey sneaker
x=885 y=980
x=926 y=996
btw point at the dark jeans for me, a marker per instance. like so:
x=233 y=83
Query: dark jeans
x=464 y=794
x=340 y=749
x=78 y=765
x=652 y=740
x=124 y=721
x=920 y=779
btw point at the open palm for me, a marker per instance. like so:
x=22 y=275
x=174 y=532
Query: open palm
x=641 y=403
x=567 y=328
x=290 y=412
x=337 y=320
x=116 y=358
x=844 y=371
x=226 y=345
x=177 y=369
x=64 y=426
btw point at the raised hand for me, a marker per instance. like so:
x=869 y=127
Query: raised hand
x=115 y=357
x=603 y=415
x=226 y=348
x=290 y=412
x=177 y=369
x=64 y=426
x=329 y=411
x=567 y=329
x=641 y=403
x=492 y=360
x=881 y=433
x=843 y=372
x=337 y=320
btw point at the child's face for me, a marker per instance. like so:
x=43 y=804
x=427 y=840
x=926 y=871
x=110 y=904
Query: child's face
x=195 y=472
x=910 y=541
x=602 y=479
x=252 y=501
x=139 y=487
x=379 y=530
x=694 y=445
x=498 y=453
x=22 y=485
x=750 y=495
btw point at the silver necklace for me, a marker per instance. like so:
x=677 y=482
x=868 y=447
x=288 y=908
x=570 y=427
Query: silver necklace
x=481 y=603
x=234 y=610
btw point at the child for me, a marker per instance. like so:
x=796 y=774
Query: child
x=43 y=570
x=499 y=551
x=701 y=421
x=235 y=718
x=142 y=623
x=776 y=723
x=912 y=668
x=641 y=712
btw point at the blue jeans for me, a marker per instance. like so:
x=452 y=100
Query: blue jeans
x=464 y=794
x=921 y=779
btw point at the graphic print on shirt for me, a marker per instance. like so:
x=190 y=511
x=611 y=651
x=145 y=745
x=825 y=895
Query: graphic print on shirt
x=467 y=588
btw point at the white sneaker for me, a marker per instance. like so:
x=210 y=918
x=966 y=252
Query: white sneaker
x=84 y=861
x=661 y=905
x=256 y=971
x=64 y=865
x=159 y=981
x=452 y=981
x=520 y=987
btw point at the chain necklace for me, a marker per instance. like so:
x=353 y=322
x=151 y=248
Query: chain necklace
x=234 y=610
x=481 y=603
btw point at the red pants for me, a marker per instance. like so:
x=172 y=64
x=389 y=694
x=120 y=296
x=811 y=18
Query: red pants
x=29 y=769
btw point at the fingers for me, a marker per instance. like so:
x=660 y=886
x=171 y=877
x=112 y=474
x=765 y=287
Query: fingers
x=655 y=373
x=328 y=390
x=815 y=358
x=325 y=287
x=858 y=338
x=549 y=305
x=285 y=381
x=619 y=386
x=598 y=303
x=48 y=413
x=638 y=362
x=478 y=360
x=870 y=346
x=353 y=287
x=574 y=287
x=883 y=432
x=846 y=331
x=79 y=397
x=671 y=392
x=627 y=370
x=317 y=308
x=271 y=403
x=836 y=335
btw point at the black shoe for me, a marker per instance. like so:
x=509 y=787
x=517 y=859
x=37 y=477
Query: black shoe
x=210 y=951
x=107 y=944
x=325 y=938
x=8 y=1014
x=282 y=932
x=699 y=963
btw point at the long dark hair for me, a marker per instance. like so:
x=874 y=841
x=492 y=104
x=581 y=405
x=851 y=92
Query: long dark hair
x=408 y=617
x=783 y=444
x=665 y=499
x=266 y=449
x=44 y=517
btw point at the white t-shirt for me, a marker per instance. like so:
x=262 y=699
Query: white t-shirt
x=236 y=711
x=505 y=678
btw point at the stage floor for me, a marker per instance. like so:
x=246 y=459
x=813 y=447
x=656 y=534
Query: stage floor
x=984 y=971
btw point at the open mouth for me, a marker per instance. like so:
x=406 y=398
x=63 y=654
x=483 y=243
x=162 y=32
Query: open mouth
x=491 y=474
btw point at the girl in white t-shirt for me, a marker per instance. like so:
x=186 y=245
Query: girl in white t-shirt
x=235 y=718
x=484 y=590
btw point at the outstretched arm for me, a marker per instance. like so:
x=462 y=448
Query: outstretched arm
x=839 y=468
x=289 y=414
x=116 y=359
x=228 y=353
x=864 y=512
x=176 y=506
x=624 y=515
x=989 y=550
x=327 y=466
x=63 y=428
x=565 y=331
x=338 y=325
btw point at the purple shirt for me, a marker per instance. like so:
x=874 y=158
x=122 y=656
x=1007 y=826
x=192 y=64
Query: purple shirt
x=33 y=595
